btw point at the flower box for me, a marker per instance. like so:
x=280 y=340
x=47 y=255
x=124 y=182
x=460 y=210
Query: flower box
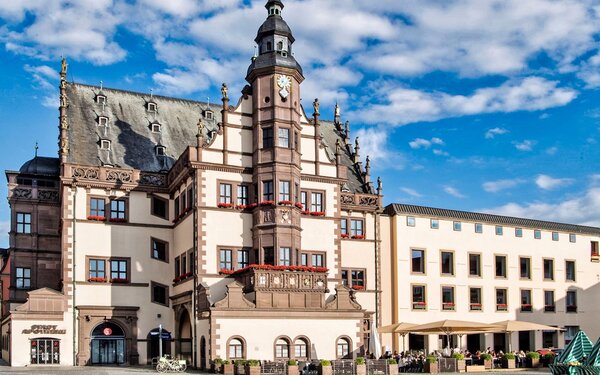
x=305 y=212
x=549 y=308
x=268 y=267
x=97 y=218
x=251 y=206
x=344 y=235
x=526 y=307
x=241 y=207
x=97 y=279
x=118 y=220
x=448 y=306
x=475 y=306
x=501 y=307
x=119 y=281
x=225 y=271
x=267 y=203
x=285 y=203
x=358 y=287
x=225 y=205
x=299 y=205
x=419 y=305
x=317 y=213
x=358 y=237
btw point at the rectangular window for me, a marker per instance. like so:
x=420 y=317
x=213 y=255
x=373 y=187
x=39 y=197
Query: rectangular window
x=190 y=197
x=317 y=260
x=285 y=256
x=304 y=260
x=518 y=232
x=267 y=192
x=284 y=137
x=183 y=201
x=501 y=300
x=594 y=250
x=537 y=234
x=434 y=223
x=284 y=191
x=316 y=202
x=118 y=209
x=159 y=250
x=419 y=300
x=304 y=200
x=242 y=195
x=448 y=298
x=555 y=236
x=501 y=266
x=118 y=271
x=548 y=269
x=478 y=228
x=526 y=300
x=475 y=299
x=225 y=193
x=418 y=261
x=457 y=226
x=23 y=222
x=97 y=270
x=23 y=278
x=159 y=207
x=97 y=207
x=571 y=301
x=269 y=255
x=225 y=261
x=570 y=270
x=344 y=226
x=410 y=221
x=354 y=278
x=267 y=137
x=183 y=264
x=570 y=332
x=572 y=238
x=447 y=263
x=177 y=267
x=243 y=259
x=549 y=305
x=176 y=207
x=356 y=228
x=499 y=230
x=475 y=265
x=525 y=268
x=160 y=293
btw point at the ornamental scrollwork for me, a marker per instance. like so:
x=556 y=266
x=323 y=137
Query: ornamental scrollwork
x=48 y=195
x=22 y=193
x=368 y=201
x=86 y=173
x=153 y=179
x=119 y=176
x=347 y=199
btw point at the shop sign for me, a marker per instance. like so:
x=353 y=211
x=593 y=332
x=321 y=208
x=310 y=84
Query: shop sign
x=107 y=331
x=44 y=330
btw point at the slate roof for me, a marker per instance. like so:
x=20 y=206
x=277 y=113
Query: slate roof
x=403 y=209
x=133 y=144
x=130 y=132
x=41 y=165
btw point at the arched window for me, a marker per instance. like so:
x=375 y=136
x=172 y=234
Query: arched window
x=343 y=347
x=280 y=46
x=236 y=348
x=282 y=348
x=301 y=349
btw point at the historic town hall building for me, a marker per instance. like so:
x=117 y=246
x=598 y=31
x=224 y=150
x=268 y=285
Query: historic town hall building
x=251 y=229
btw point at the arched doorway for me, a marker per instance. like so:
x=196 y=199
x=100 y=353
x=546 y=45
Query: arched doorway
x=108 y=344
x=184 y=335
x=154 y=347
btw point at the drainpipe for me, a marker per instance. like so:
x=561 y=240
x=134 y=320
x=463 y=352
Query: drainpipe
x=73 y=280
x=377 y=265
x=195 y=263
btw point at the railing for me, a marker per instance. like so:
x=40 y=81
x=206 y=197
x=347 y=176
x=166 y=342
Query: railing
x=300 y=279
x=475 y=306
x=377 y=367
x=343 y=367
x=361 y=200
x=501 y=307
x=526 y=308
x=273 y=368
x=419 y=306
x=550 y=308
x=571 y=308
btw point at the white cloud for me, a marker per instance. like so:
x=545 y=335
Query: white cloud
x=491 y=133
x=498 y=185
x=374 y=143
x=4 y=229
x=526 y=145
x=453 y=192
x=582 y=209
x=548 y=183
x=440 y=152
x=418 y=143
x=42 y=75
x=412 y=192
x=403 y=105
x=552 y=150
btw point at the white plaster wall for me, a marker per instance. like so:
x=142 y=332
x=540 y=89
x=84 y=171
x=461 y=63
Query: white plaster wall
x=308 y=148
x=213 y=154
x=20 y=344
x=226 y=228
x=327 y=170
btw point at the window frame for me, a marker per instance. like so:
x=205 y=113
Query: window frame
x=309 y=257
x=108 y=268
x=479 y=268
x=478 y=227
x=105 y=144
x=422 y=305
x=476 y=306
x=411 y=221
x=518 y=232
x=350 y=281
x=235 y=257
x=23 y=278
x=434 y=223
x=96 y=271
x=529 y=273
x=574 y=278
x=151 y=107
x=553 y=274
x=284 y=192
x=267 y=138
x=153 y=285
x=153 y=199
x=555 y=236
x=499 y=230
x=225 y=193
x=526 y=307
x=283 y=141
x=537 y=234
x=127 y=271
x=549 y=308
x=452 y=265
x=571 y=308
x=505 y=256
x=424 y=258
x=242 y=346
x=457 y=226
x=154 y=240
x=267 y=191
x=21 y=224
x=572 y=238
x=449 y=305
x=125 y=210
x=501 y=307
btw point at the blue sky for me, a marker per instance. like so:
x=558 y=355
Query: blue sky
x=466 y=104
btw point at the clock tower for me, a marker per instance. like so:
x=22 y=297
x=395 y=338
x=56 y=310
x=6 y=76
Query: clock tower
x=275 y=77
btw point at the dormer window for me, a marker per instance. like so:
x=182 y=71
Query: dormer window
x=156 y=128
x=269 y=46
x=161 y=150
x=280 y=46
x=103 y=121
x=208 y=114
x=151 y=107
x=105 y=144
x=100 y=99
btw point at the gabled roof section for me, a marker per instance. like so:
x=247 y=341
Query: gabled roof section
x=129 y=130
x=404 y=209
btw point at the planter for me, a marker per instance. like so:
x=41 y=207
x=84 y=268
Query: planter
x=509 y=363
x=461 y=365
x=240 y=370
x=361 y=369
x=227 y=369
x=431 y=368
x=393 y=369
x=532 y=362
x=292 y=370
x=252 y=370
x=325 y=370
x=487 y=363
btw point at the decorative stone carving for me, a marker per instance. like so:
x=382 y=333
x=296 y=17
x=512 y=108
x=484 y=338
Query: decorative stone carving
x=153 y=179
x=368 y=201
x=22 y=193
x=120 y=176
x=285 y=217
x=49 y=195
x=86 y=173
x=268 y=216
x=347 y=199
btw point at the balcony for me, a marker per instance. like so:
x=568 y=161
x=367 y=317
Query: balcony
x=571 y=308
x=448 y=306
x=550 y=308
x=501 y=307
x=526 y=307
x=419 y=305
x=475 y=306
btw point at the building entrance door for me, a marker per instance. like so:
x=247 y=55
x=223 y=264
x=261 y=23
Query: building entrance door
x=45 y=351
x=108 y=344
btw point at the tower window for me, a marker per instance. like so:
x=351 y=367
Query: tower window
x=280 y=46
x=156 y=128
x=208 y=114
x=269 y=46
x=151 y=107
x=103 y=121
x=160 y=150
x=104 y=144
x=100 y=99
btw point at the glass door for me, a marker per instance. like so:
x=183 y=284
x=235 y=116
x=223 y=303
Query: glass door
x=108 y=351
x=45 y=351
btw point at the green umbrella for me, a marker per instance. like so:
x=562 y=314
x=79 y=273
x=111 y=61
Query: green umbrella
x=578 y=348
x=594 y=358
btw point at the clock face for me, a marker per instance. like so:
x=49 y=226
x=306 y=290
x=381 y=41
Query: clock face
x=284 y=83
